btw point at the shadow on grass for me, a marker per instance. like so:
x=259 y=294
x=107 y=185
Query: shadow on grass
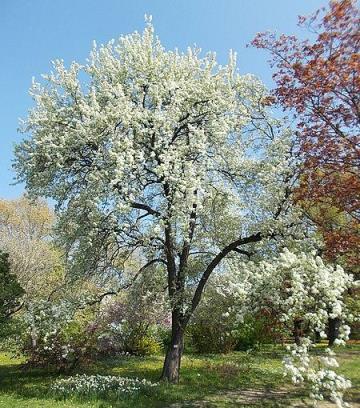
x=197 y=383
x=28 y=383
x=234 y=380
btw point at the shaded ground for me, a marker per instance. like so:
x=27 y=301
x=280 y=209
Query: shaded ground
x=280 y=398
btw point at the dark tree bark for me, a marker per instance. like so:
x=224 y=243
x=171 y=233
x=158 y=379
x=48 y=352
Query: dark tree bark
x=317 y=337
x=333 y=330
x=171 y=368
x=297 y=332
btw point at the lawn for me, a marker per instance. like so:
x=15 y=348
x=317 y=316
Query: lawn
x=232 y=380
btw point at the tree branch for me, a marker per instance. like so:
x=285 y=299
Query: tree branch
x=145 y=207
x=15 y=310
x=128 y=285
x=215 y=262
x=243 y=252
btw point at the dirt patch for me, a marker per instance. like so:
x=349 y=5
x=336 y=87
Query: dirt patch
x=280 y=398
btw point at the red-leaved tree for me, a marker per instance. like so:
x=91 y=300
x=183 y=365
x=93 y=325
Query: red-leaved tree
x=318 y=81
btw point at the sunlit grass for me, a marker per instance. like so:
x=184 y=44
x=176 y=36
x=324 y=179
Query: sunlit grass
x=202 y=377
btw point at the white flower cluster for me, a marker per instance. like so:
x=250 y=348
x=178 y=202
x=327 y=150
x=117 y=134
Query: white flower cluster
x=298 y=286
x=99 y=385
x=48 y=336
x=317 y=372
x=304 y=287
x=45 y=319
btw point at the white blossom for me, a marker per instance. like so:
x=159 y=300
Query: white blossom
x=298 y=286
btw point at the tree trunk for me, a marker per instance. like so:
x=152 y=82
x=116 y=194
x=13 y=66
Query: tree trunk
x=297 y=331
x=333 y=330
x=172 y=361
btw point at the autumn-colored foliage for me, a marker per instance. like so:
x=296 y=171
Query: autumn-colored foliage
x=318 y=81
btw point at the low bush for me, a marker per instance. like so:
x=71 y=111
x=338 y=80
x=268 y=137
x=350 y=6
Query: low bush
x=147 y=345
x=130 y=335
x=205 y=337
x=254 y=332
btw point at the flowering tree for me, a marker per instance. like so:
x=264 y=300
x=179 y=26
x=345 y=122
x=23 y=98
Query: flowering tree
x=161 y=154
x=318 y=81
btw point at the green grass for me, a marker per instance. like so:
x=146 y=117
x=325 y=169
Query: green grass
x=349 y=359
x=217 y=379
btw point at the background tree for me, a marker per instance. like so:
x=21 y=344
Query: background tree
x=25 y=233
x=160 y=155
x=10 y=292
x=318 y=81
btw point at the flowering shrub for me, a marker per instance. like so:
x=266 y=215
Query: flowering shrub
x=298 y=288
x=85 y=385
x=57 y=335
x=64 y=333
x=129 y=338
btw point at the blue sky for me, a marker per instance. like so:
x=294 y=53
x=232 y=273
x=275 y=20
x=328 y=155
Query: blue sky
x=34 y=32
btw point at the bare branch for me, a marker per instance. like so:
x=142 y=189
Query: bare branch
x=145 y=207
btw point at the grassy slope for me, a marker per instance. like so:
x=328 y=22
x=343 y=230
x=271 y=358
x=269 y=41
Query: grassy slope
x=202 y=376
